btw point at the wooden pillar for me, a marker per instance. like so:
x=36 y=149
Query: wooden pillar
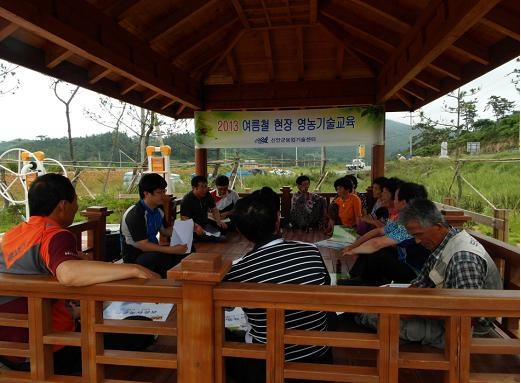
x=377 y=161
x=500 y=228
x=198 y=274
x=201 y=162
x=96 y=237
x=169 y=208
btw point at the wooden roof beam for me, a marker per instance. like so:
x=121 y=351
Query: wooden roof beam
x=228 y=46
x=472 y=50
x=126 y=86
x=149 y=96
x=266 y=13
x=442 y=23
x=268 y=54
x=120 y=8
x=356 y=48
x=503 y=21
x=387 y=12
x=339 y=62
x=240 y=13
x=203 y=35
x=300 y=53
x=446 y=67
x=55 y=55
x=313 y=12
x=97 y=74
x=6 y=29
x=168 y=104
x=415 y=90
x=232 y=67
x=61 y=23
x=163 y=27
x=292 y=94
x=348 y=22
x=403 y=98
x=427 y=82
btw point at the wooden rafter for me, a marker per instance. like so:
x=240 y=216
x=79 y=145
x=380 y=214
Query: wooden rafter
x=55 y=55
x=300 y=53
x=503 y=21
x=7 y=29
x=226 y=51
x=266 y=13
x=472 y=50
x=267 y=53
x=97 y=74
x=436 y=29
x=240 y=13
x=169 y=23
x=339 y=62
x=202 y=36
x=357 y=48
x=313 y=12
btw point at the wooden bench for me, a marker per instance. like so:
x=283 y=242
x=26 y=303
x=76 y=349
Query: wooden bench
x=197 y=348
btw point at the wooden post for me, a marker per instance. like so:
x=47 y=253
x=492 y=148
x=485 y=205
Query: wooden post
x=198 y=274
x=377 y=161
x=96 y=237
x=201 y=162
x=170 y=213
x=455 y=217
x=501 y=231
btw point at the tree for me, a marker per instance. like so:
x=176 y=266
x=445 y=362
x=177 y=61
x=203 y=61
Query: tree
x=501 y=107
x=9 y=82
x=465 y=110
x=69 y=92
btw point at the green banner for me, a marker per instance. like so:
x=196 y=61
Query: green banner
x=290 y=128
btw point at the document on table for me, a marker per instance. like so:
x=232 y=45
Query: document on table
x=122 y=310
x=342 y=236
x=183 y=233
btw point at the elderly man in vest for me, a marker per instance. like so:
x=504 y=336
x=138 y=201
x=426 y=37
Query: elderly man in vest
x=457 y=261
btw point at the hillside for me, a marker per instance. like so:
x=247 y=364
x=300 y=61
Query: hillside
x=98 y=148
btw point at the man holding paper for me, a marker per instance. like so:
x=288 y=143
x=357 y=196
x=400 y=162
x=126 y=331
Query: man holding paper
x=141 y=224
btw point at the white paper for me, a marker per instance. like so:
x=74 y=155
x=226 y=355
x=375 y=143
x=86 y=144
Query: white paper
x=183 y=233
x=211 y=231
x=235 y=319
x=399 y=285
x=121 y=310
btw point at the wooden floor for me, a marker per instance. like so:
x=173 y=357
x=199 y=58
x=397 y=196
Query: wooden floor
x=234 y=246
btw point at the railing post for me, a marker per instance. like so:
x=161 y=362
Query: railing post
x=198 y=274
x=455 y=217
x=285 y=201
x=96 y=237
x=501 y=233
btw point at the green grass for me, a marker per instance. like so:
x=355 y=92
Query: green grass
x=497 y=182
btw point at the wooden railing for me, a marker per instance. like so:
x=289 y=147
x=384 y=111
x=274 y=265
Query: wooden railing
x=198 y=326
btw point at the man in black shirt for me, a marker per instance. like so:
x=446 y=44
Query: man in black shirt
x=196 y=205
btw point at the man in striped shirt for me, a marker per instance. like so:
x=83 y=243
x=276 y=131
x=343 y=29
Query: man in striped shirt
x=274 y=260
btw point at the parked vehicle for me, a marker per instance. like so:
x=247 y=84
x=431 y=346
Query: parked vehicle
x=356 y=164
x=127 y=178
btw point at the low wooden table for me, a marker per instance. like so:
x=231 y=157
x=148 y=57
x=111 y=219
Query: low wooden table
x=235 y=246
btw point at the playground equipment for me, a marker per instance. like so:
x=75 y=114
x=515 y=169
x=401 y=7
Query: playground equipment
x=159 y=162
x=18 y=169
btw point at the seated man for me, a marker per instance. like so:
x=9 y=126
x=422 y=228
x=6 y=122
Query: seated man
x=196 y=204
x=274 y=260
x=44 y=246
x=224 y=198
x=346 y=209
x=140 y=226
x=389 y=253
x=307 y=209
x=456 y=261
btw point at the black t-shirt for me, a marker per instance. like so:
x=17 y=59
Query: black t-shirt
x=197 y=209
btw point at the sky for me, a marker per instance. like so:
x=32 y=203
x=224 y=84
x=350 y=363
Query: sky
x=34 y=110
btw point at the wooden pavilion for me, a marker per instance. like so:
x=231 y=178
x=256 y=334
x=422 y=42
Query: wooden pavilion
x=180 y=56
